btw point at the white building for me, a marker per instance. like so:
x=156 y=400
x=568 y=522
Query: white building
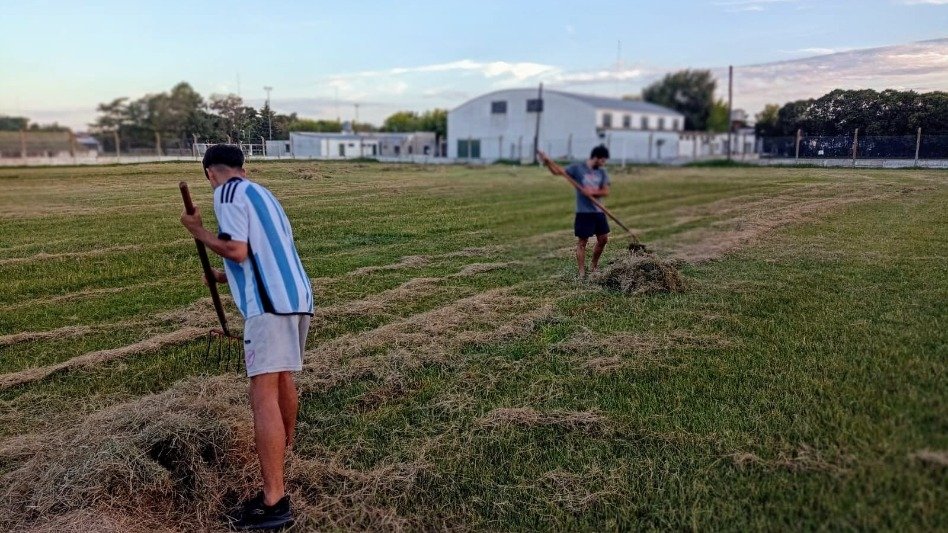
x=314 y=145
x=348 y=145
x=701 y=145
x=502 y=125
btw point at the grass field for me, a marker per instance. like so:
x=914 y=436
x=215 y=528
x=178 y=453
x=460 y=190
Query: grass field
x=459 y=377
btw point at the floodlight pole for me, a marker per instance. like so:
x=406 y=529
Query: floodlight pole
x=536 y=133
x=269 y=113
x=730 y=107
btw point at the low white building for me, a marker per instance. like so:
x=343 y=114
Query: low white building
x=315 y=145
x=348 y=145
x=702 y=145
x=502 y=125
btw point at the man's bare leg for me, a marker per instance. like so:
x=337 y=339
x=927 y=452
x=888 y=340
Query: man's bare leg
x=289 y=406
x=601 y=241
x=269 y=433
x=581 y=256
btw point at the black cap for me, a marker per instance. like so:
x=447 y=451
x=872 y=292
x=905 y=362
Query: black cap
x=224 y=154
x=599 y=152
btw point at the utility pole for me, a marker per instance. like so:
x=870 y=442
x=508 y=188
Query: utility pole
x=918 y=144
x=269 y=113
x=730 y=107
x=536 y=134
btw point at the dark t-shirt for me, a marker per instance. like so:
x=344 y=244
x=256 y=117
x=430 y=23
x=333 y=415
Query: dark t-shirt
x=587 y=177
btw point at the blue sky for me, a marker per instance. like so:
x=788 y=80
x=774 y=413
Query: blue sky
x=59 y=59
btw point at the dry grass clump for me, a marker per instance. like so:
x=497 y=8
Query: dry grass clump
x=172 y=457
x=409 y=261
x=427 y=337
x=934 y=458
x=382 y=302
x=479 y=268
x=58 y=333
x=611 y=353
x=585 y=421
x=335 y=497
x=639 y=274
x=157 y=342
x=803 y=459
x=576 y=492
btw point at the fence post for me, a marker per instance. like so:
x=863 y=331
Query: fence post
x=23 y=144
x=855 y=144
x=694 y=147
x=520 y=149
x=569 y=147
x=799 y=136
x=918 y=144
x=623 y=154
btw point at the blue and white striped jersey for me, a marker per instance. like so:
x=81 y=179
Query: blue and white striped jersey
x=271 y=279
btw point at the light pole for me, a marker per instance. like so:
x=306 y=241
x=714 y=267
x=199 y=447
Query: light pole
x=269 y=114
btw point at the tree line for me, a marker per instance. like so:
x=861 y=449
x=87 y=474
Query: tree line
x=182 y=116
x=889 y=112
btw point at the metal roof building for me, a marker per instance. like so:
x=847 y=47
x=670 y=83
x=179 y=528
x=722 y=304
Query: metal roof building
x=502 y=125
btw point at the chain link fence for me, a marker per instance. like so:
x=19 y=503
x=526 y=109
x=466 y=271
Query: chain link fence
x=856 y=146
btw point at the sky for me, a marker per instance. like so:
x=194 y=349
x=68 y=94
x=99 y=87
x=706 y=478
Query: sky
x=60 y=59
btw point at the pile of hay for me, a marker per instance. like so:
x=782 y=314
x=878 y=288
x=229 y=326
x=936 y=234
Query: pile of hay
x=641 y=273
x=178 y=457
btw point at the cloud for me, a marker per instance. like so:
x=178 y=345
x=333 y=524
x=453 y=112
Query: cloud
x=742 y=6
x=921 y=66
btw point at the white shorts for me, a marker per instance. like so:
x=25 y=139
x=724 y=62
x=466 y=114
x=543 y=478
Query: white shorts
x=275 y=343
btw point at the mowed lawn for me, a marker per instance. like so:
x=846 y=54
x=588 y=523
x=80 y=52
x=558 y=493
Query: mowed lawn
x=460 y=377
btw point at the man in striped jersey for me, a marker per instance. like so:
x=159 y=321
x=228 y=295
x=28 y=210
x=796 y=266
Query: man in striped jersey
x=273 y=293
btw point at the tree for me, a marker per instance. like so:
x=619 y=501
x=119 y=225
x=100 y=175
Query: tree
x=322 y=126
x=230 y=109
x=767 y=121
x=889 y=112
x=718 y=119
x=402 y=121
x=113 y=116
x=13 y=123
x=690 y=92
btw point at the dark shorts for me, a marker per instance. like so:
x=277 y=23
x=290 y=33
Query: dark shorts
x=589 y=224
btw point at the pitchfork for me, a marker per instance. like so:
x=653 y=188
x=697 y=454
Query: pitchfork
x=227 y=341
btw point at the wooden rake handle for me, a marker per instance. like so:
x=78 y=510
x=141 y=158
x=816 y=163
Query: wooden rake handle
x=205 y=262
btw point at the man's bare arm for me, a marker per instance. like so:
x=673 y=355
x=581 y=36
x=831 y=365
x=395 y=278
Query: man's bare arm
x=233 y=250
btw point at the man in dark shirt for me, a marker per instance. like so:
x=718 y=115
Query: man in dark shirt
x=592 y=178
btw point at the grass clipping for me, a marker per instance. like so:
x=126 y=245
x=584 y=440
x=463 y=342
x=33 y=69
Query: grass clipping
x=639 y=273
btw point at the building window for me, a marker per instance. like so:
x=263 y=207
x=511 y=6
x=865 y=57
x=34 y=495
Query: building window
x=661 y=123
x=534 y=105
x=627 y=121
x=498 y=108
x=287 y=147
x=469 y=149
x=342 y=150
x=607 y=120
x=675 y=124
x=644 y=123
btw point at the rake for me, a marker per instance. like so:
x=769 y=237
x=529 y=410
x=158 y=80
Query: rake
x=228 y=344
x=635 y=246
